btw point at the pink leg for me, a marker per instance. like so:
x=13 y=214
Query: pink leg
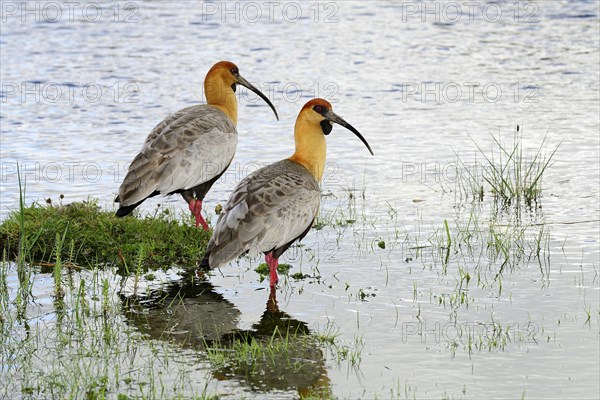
x=272 y=263
x=196 y=209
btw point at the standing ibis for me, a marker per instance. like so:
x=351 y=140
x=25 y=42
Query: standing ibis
x=277 y=205
x=191 y=148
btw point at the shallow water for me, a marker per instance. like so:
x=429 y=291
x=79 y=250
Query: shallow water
x=418 y=86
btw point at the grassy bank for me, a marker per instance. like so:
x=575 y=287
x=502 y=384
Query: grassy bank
x=83 y=235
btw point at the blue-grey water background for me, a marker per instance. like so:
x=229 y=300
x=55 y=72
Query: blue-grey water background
x=421 y=81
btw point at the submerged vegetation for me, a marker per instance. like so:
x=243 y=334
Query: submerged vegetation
x=278 y=361
x=182 y=342
x=83 y=348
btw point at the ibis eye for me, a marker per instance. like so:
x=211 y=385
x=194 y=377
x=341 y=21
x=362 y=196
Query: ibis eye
x=234 y=71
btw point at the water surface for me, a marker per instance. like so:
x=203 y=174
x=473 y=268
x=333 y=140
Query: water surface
x=420 y=91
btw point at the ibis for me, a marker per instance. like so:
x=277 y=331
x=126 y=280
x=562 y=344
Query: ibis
x=276 y=205
x=191 y=148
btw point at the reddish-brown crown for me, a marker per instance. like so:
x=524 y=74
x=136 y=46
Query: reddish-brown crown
x=228 y=65
x=317 y=102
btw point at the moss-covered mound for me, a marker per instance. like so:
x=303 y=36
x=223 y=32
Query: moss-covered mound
x=88 y=236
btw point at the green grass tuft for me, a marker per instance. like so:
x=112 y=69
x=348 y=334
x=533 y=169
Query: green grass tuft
x=90 y=236
x=511 y=176
x=263 y=269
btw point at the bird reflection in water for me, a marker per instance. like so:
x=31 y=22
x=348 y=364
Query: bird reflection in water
x=194 y=315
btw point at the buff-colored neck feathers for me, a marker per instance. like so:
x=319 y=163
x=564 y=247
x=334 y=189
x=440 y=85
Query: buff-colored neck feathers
x=310 y=145
x=219 y=92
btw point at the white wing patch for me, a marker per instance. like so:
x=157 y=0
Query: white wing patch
x=236 y=214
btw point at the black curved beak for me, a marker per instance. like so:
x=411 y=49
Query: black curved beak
x=333 y=117
x=247 y=84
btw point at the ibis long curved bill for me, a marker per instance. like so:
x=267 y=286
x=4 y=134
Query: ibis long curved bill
x=189 y=150
x=276 y=205
x=248 y=85
x=330 y=117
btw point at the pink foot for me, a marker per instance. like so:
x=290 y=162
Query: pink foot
x=272 y=263
x=196 y=209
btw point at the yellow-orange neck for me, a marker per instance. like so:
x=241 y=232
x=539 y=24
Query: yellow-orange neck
x=221 y=95
x=310 y=147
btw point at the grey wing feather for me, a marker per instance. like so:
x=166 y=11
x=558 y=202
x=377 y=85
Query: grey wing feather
x=267 y=210
x=187 y=148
